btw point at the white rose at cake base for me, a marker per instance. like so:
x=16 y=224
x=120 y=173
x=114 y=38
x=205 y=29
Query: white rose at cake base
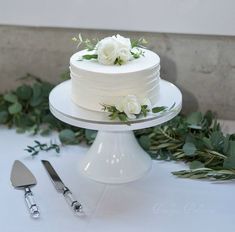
x=130 y=105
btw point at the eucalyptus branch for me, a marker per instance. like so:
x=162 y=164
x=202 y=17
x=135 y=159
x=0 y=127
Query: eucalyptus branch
x=35 y=149
x=195 y=139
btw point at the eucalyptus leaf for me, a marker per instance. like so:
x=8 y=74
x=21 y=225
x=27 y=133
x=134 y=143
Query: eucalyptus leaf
x=24 y=121
x=194 y=118
x=37 y=97
x=90 y=134
x=24 y=92
x=15 y=108
x=189 y=149
x=10 y=97
x=145 y=142
x=196 y=164
x=67 y=136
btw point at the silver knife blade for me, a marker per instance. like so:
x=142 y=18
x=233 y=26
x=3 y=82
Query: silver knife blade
x=60 y=187
x=58 y=183
x=21 y=176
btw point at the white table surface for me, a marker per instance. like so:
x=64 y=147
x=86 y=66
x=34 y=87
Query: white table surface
x=158 y=202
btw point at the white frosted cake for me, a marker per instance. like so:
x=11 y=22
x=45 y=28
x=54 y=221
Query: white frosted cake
x=95 y=84
x=113 y=70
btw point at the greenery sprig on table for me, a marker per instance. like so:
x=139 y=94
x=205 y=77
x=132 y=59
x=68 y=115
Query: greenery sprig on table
x=195 y=139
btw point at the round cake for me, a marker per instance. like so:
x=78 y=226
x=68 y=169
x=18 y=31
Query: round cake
x=95 y=84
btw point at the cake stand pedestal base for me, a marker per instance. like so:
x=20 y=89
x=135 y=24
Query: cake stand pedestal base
x=115 y=157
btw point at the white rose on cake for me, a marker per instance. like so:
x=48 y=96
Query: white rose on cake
x=115 y=49
x=122 y=41
x=124 y=55
x=129 y=105
x=107 y=51
x=124 y=48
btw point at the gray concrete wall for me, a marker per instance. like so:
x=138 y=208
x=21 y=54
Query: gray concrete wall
x=203 y=67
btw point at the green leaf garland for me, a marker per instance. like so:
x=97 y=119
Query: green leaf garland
x=195 y=139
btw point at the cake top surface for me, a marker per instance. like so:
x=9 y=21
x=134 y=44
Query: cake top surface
x=147 y=61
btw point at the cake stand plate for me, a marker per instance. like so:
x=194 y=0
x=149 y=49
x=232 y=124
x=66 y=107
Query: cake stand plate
x=115 y=156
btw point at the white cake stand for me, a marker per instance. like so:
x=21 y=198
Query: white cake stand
x=115 y=156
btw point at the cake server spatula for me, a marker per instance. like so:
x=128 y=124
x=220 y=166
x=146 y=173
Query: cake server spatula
x=22 y=178
x=61 y=188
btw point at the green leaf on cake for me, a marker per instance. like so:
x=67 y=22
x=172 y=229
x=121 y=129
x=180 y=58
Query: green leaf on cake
x=141 y=42
x=90 y=56
x=158 y=109
x=122 y=117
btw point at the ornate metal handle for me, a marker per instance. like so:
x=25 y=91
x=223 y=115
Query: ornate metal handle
x=31 y=204
x=74 y=204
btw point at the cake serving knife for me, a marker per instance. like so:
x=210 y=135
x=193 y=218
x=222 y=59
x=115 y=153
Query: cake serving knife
x=61 y=188
x=22 y=178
